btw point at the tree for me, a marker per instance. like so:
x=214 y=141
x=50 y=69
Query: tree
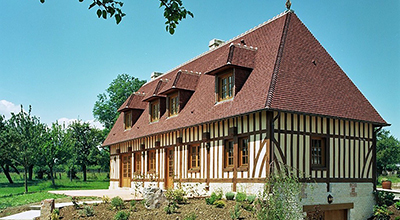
x=53 y=149
x=26 y=133
x=85 y=141
x=174 y=11
x=6 y=151
x=387 y=150
x=105 y=108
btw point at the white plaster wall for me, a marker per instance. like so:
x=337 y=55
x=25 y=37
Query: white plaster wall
x=363 y=198
x=114 y=185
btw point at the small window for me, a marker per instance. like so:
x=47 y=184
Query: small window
x=194 y=160
x=151 y=161
x=228 y=154
x=154 y=111
x=243 y=152
x=225 y=86
x=318 y=156
x=173 y=104
x=137 y=168
x=128 y=120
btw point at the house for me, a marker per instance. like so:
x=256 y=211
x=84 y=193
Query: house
x=226 y=119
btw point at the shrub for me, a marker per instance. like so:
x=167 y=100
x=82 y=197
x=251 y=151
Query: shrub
x=105 y=199
x=214 y=197
x=397 y=218
x=75 y=202
x=117 y=203
x=191 y=216
x=55 y=215
x=240 y=196
x=170 y=208
x=133 y=205
x=397 y=205
x=251 y=198
x=121 y=215
x=229 y=195
x=247 y=207
x=384 y=198
x=220 y=203
x=381 y=213
x=176 y=195
x=87 y=211
x=235 y=214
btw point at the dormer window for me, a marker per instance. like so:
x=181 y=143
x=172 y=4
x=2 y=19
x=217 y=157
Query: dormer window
x=173 y=104
x=225 y=86
x=128 y=120
x=154 y=111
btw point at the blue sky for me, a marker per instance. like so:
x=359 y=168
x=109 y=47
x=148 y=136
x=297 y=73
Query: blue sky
x=58 y=56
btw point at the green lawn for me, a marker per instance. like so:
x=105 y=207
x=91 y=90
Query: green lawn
x=13 y=194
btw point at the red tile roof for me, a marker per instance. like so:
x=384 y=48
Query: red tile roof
x=183 y=80
x=291 y=71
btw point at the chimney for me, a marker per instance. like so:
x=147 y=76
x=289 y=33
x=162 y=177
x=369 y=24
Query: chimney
x=154 y=75
x=214 y=43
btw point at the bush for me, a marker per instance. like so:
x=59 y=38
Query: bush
x=191 y=216
x=229 y=195
x=117 y=203
x=176 y=195
x=384 y=198
x=214 y=197
x=251 y=198
x=247 y=207
x=55 y=215
x=170 y=208
x=87 y=211
x=133 y=205
x=397 y=218
x=220 y=203
x=240 y=196
x=235 y=214
x=105 y=199
x=121 y=215
x=397 y=205
x=381 y=213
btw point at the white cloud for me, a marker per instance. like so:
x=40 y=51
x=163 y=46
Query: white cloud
x=7 y=107
x=69 y=121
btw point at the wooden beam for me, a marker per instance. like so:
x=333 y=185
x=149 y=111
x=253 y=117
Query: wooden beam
x=340 y=206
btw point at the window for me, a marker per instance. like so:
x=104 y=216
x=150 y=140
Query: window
x=154 y=111
x=128 y=120
x=173 y=106
x=151 y=161
x=317 y=152
x=194 y=157
x=137 y=166
x=243 y=152
x=225 y=86
x=228 y=154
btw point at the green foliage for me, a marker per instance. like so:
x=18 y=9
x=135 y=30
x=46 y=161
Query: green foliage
x=133 y=205
x=247 y=207
x=235 y=213
x=214 y=197
x=384 y=198
x=229 y=195
x=387 y=151
x=55 y=215
x=176 y=195
x=241 y=196
x=251 y=198
x=171 y=207
x=397 y=218
x=87 y=211
x=107 y=104
x=117 y=203
x=220 y=203
x=174 y=12
x=381 y=213
x=191 y=216
x=105 y=199
x=280 y=198
x=121 y=215
x=397 y=205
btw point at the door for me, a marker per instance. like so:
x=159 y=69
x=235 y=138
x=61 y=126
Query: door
x=126 y=164
x=336 y=215
x=169 y=180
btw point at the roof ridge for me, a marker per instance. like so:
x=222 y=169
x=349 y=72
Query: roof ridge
x=274 y=77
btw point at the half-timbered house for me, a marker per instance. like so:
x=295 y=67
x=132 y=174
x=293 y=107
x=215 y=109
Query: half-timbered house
x=226 y=119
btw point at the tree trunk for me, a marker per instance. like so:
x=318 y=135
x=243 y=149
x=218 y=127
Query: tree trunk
x=30 y=172
x=70 y=174
x=26 y=178
x=6 y=171
x=52 y=176
x=15 y=169
x=84 y=172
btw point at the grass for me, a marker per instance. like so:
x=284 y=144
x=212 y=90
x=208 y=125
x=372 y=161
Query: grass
x=13 y=194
